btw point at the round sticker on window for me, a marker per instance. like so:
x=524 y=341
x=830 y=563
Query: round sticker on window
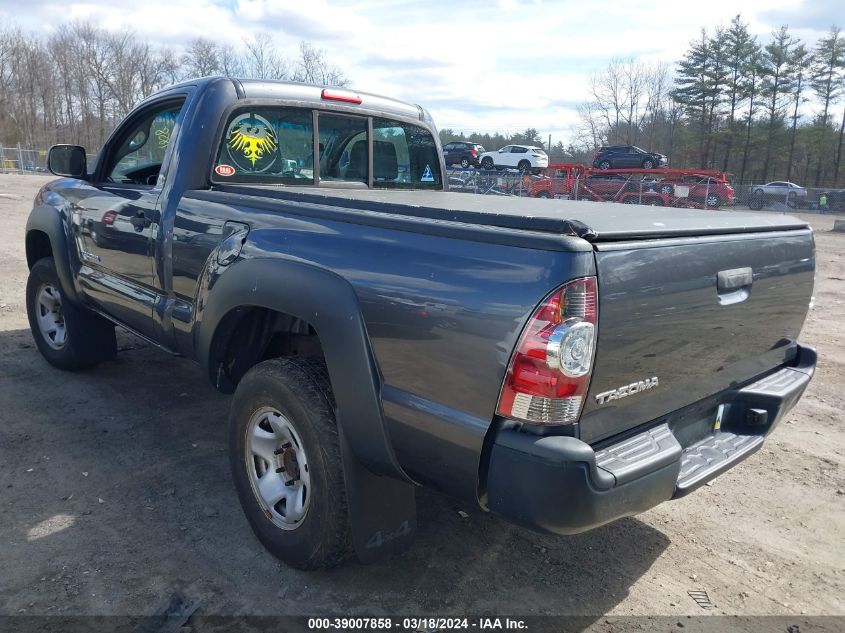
x=224 y=170
x=252 y=143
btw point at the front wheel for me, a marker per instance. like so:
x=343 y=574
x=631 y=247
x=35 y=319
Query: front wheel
x=543 y=194
x=67 y=335
x=605 y=164
x=648 y=164
x=284 y=452
x=487 y=163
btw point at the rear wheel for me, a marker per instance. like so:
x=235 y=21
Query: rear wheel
x=605 y=164
x=524 y=166
x=543 y=194
x=667 y=189
x=284 y=452
x=713 y=200
x=67 y=335
x=464 y=163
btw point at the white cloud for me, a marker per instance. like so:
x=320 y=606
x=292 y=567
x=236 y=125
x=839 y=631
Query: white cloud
x=482 y=65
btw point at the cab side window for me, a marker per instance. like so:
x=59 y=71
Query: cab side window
x=139 y=151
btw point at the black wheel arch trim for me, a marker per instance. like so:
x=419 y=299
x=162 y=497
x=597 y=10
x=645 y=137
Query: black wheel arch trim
x=48 y=220
x=329 y=304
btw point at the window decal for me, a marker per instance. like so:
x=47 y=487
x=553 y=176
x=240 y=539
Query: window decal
x=252 y=143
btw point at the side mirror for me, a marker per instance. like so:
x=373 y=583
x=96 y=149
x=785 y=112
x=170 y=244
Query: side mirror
x=68 y=161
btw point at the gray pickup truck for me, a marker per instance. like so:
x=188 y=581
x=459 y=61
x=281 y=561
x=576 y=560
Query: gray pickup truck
x=561 y=364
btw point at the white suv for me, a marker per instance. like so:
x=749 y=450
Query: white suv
x=523 y=157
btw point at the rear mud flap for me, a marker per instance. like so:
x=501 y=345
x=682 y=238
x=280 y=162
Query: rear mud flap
x=382 y=511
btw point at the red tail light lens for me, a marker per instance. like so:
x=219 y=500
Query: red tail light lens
x=108 y=218
x=473 y=153
x=550 y=369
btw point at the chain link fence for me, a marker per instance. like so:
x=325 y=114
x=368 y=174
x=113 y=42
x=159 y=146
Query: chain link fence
x=15 y=159
x=691 y=191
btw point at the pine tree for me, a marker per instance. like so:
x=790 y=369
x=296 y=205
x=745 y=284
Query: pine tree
x=777 y=85
x=740 y=48
x=798 y=61
x=826 y=82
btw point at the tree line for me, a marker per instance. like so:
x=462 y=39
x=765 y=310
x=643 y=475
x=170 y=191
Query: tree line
x=760 y=111
x=75 y=85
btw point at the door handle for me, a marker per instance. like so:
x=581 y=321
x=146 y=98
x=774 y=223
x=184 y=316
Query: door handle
x=140 y=221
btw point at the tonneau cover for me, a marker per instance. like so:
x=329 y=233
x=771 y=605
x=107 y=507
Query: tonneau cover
x=593 y=221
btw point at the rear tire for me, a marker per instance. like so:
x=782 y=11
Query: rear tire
x=524 y=166
x=464 y=163
x=294 y=397
x=67 y=335
x=605 y=164
x=543 y=194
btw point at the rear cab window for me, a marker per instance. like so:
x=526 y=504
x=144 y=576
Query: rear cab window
x=275 y=145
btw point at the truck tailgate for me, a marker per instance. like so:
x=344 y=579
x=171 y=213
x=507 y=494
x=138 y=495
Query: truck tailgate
x=698 y=314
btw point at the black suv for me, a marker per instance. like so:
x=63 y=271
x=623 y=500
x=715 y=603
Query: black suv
x=463 y=153
x=623 y=156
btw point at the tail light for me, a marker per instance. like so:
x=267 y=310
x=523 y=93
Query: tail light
x=108 y=218
x=473 y=153
x=549 y=372
x=329 y=94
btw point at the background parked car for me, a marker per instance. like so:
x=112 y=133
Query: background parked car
x=714 y=192
x=622 y=156
x=780 y=188
x=523 y=157
x=463 y=153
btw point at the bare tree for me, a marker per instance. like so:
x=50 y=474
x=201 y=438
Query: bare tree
x=313 y=67
x=262 y=60
x=201 y=59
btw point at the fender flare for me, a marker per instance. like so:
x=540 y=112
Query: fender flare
x=329 y=303
x=50 y=221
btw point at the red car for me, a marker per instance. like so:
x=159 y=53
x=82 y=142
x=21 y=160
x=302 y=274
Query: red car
x=709 y=190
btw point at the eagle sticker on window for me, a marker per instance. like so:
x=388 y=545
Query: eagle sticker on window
x=252 y=143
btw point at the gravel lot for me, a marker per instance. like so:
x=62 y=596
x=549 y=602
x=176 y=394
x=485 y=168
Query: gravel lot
x=115 y=491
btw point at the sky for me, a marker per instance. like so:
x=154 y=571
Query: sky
x=481 y=66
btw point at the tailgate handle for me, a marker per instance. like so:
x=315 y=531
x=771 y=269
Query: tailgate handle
x=728 y=280
x=734 y=286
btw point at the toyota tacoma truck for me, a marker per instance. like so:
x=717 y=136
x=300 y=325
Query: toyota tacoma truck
x=561 y=364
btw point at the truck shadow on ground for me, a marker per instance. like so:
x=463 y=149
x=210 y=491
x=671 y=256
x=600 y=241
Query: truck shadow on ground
x=116 y=491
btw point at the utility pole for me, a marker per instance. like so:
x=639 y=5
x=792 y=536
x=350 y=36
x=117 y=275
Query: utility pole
x=550 y=145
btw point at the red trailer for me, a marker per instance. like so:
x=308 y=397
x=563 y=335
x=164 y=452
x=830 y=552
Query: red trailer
x=691 y=188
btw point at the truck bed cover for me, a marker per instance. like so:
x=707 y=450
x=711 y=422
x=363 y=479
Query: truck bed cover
x=592 y=221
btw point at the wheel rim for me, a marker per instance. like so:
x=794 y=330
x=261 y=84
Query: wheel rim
x=605 y=165
x=648 y=165
x=277 y=467
x=666 y=190
x=464 y=163
x=50 y=316
x=712 y=201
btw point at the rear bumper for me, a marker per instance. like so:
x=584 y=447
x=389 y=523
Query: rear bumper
x=562 y=485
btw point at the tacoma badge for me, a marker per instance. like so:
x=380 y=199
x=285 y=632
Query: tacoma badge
x=626 y=390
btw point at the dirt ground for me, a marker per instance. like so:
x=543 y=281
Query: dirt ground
x=115 y=491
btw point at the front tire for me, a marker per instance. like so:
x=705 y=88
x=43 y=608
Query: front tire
x=284 y=452
x=67 y=335
x=648 y=164
x=487 y=163
x=605 y=164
